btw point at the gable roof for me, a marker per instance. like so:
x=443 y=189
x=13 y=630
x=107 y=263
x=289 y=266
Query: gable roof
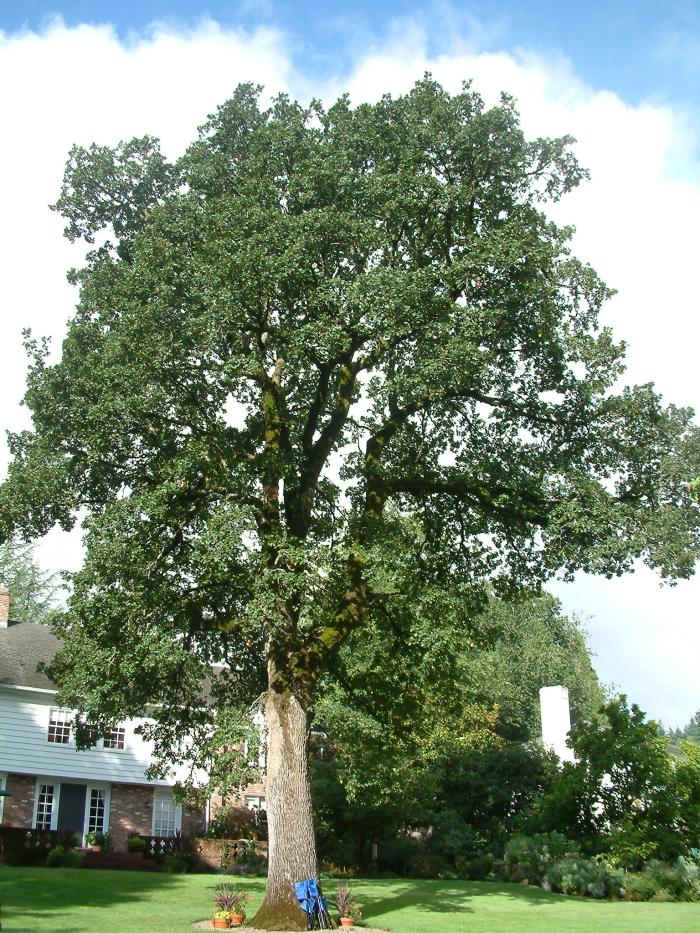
x=23 y=645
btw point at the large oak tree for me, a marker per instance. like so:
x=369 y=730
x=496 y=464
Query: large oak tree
x=317 y=326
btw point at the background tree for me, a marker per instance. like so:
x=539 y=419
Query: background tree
x=625 y=795
x=690 y=732
x=316 y=322
x=422 y=722
x=35 y=595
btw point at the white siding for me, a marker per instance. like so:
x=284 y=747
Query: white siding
x=24 y=749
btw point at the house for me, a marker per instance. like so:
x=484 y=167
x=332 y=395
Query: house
x=52 y=784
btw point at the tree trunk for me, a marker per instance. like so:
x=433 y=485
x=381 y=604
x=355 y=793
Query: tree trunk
x=292 y=845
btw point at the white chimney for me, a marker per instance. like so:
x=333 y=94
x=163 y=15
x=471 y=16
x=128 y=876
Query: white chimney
x=556 y=721
x=4 y=607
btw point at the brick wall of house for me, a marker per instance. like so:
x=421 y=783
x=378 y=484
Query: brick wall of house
x=18 y=809
x=237 y=800
x=193 y=821
x=130 y=811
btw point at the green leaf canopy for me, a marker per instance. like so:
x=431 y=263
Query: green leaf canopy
x=317 y=326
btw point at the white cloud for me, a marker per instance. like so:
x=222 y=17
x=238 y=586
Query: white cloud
x=635 y=223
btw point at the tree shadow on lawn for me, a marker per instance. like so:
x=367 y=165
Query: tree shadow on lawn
x=444 y=896
x=37 y=894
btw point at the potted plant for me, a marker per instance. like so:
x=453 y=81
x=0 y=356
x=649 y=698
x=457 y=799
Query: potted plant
x=344 y=902
x=97 y=840
x=232 y=901
x=221 y=920
x=239 y=900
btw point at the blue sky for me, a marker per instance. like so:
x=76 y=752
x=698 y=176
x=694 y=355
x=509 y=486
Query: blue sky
x=638 y=48
x=622 y=77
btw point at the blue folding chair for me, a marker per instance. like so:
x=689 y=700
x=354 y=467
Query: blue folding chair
x=314 y=904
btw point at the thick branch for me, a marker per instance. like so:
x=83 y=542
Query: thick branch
x=521 y=507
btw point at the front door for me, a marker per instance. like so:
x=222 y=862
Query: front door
x=71 y=808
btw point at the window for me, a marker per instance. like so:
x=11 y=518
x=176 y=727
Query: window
x=167 y=816
x=115 y=738
x=96 y=814
x=255 y=803
x=59 y=726
x=44 y=805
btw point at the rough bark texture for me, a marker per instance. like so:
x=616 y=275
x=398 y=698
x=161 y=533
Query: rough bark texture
x=292 y=845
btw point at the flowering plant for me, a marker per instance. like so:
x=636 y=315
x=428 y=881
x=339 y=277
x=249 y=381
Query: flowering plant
x=231 y=899
x=344 y=901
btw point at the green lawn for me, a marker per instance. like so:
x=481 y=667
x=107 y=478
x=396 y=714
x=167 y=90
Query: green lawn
x=63 y=900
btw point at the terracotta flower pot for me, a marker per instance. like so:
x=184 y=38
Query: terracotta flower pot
x=220 y=923
x=237 y=920
x=347 y=922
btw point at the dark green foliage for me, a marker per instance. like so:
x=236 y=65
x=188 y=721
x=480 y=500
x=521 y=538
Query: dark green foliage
x=626 y=796
x=26 y=847
x=136 y=844
x=585 y=877
x=530 y=644
x=527 y=858
x=62 y=857
x=35 y=595
x=242 y=858
x=382 y=275
x=494 y=789
x=237 y=823
x=409 y=737
x=690 y=733
x=176 y=864
x=660 y=881
x=327 y=352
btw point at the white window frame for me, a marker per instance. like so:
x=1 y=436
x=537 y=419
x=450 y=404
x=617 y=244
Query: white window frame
x=56 y=783
x=109 y=748
x=3 y=786
x=255 y=802
x=68 y=719
x=165 y=793
x=97 y=785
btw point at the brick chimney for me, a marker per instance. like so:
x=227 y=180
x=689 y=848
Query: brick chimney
x=4 y=606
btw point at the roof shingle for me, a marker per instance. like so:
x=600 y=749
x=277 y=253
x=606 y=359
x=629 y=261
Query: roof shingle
x=23 y=645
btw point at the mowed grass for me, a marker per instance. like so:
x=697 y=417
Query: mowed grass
x=63 y=900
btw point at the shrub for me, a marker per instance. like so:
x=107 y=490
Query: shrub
x=452 y=836
x=135 y=844
x=527 y=858
x=681 y=879
x=176 y=864
x=67 y=838
x=330 y=871
x=238 y=823
x=585 y=877
x=663 y=896
x=97 y=838
x=395 y=855
x=242 y=858
x=477 y=867
x=429 y=865
x=26 y=846
x=61 y=857
x=641 y=886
